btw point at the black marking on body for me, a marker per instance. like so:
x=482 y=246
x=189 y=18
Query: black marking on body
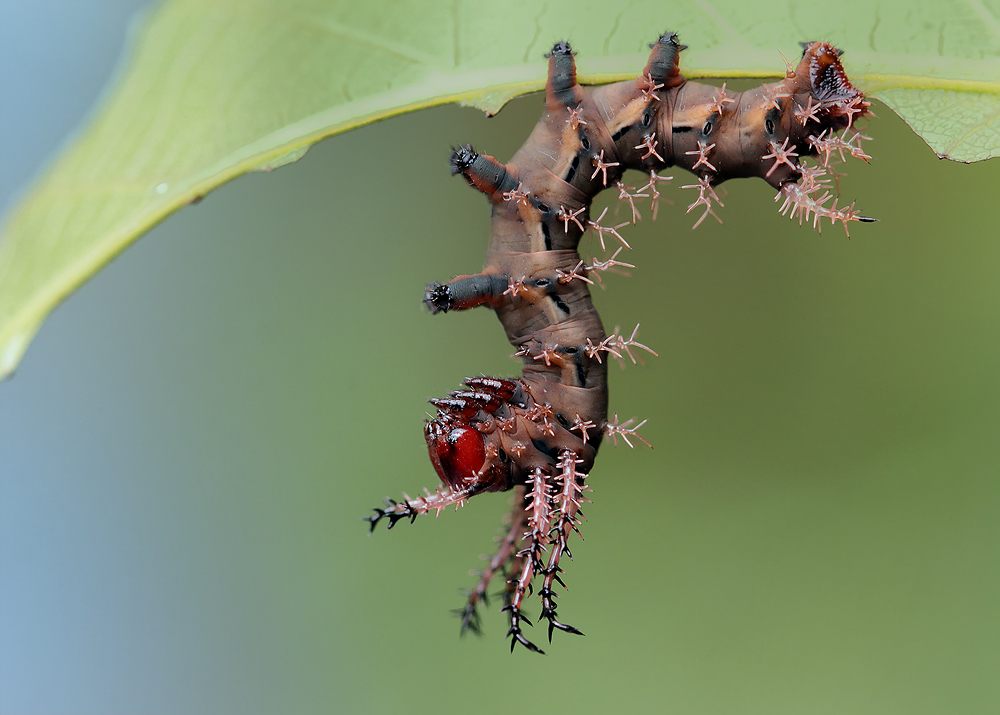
x=620 y=133
x=772 y=120
x=545 y=449
x=572 y=170
x=680 y=129
x=548 y=237
x=560 y=304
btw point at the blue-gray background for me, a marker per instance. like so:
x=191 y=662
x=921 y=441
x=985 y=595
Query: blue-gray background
x=191 y=440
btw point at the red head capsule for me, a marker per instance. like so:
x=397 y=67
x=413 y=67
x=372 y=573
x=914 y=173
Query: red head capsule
x=457 y=455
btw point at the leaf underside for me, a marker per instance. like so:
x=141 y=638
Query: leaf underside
x=215 y=90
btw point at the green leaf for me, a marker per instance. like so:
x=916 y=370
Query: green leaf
x=217 y=89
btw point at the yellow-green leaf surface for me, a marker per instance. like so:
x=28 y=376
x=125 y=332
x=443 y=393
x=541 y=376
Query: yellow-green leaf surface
x=216 y=89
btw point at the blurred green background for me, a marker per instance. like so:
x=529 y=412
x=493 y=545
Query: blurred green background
x=190 y=443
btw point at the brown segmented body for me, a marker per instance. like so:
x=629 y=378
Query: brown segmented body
x=539 y=434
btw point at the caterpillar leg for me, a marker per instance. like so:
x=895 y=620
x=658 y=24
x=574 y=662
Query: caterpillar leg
x=561 y=89
x=466 y=292
x=663 y=67
x=482 y=171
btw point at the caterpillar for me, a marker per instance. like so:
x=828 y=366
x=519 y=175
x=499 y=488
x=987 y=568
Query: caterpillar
x=539 y=434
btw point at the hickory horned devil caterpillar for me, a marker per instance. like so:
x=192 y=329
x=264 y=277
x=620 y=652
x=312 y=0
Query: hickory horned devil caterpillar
x=539 y=434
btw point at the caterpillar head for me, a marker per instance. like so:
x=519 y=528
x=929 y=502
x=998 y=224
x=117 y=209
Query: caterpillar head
x=795 y=116
x=821 y=75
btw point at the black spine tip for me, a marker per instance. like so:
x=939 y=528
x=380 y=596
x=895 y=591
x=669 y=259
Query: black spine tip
x=670 y=38
x=374 y=519
x=560 y=48
x=462 y=158
x=437 y=298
